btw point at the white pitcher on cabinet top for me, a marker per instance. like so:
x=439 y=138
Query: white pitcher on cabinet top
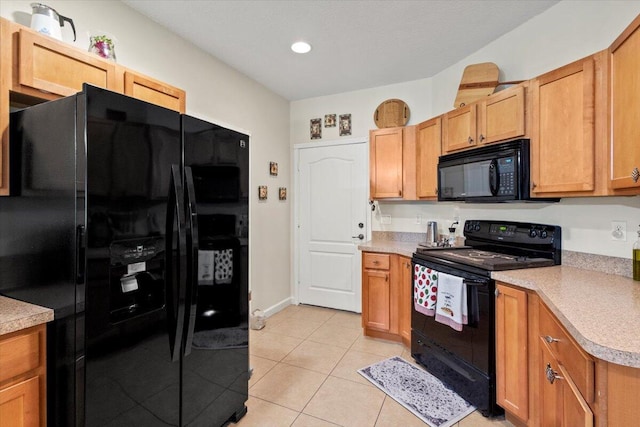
x=46 y=20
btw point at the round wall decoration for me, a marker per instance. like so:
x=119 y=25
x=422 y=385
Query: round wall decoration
x=391 y=113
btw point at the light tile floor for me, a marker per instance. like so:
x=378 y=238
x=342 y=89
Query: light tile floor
x=304 y=374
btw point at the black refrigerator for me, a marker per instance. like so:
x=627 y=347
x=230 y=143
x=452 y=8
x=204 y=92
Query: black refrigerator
x=130 y=221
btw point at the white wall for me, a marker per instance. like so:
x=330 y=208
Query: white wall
x=217 y=93
x=566 y=32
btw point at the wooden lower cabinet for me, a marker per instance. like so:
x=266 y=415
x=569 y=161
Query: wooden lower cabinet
x=406 y=299
x=386 y=296
x=512 y=392
x=23 y=378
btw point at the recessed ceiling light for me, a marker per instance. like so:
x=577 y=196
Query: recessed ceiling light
x=301 y=47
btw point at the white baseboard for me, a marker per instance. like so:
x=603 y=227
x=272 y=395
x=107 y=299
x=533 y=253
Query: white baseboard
x=278 y=307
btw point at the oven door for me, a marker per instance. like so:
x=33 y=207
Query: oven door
x=464 y=360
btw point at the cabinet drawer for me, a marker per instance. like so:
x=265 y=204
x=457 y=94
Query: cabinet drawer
x=376 y=261
x=20 y=352
x=577 y=363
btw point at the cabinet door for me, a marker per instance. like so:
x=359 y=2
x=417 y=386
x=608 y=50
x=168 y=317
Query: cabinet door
x=502 y=116
x=20 y=404
x=154 y=91
x=563 y=135
x=406 y=298
x=512 y=377
x=625 y=109
x=429 y=139
x=376 y=300
x=561 y=403
x=51 y=66
x=459 y=128
x=385 y=163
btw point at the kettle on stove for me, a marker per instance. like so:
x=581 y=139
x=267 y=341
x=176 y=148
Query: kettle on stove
x=46 y=20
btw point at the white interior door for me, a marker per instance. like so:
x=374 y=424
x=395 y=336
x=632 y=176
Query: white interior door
x=332 y=213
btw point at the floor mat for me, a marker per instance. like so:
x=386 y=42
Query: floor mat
x=417 y=390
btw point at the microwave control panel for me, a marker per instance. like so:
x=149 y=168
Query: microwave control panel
x=507 y=172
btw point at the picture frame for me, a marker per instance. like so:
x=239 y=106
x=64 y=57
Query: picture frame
x=282 y=193
x=316 y=128
x=345 y=124
x=329 y=120
x=262 y=192
x=273 y=169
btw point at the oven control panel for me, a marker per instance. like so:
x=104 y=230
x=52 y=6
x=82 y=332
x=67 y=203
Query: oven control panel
x=512 y=232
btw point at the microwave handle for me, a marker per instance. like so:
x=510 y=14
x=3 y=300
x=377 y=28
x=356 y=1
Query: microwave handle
x=494 y=177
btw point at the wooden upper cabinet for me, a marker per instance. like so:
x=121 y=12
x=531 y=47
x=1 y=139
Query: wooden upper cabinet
x=459 y=128
x=428 y=149
x=48 y=65
x=625 y=110
x=499 y=117
x=392 y=163
x=154 y=91
x=563 y=144
x=502 y=116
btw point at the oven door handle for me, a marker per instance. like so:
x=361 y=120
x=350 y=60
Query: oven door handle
x=471 y=282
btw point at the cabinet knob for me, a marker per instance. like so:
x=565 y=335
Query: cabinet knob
x=470 y=140
x=533 y=185
x=400 y=193
x=550 y=339
x=376 y=262
x=551 y=374
x=496 y=292
x=482 y=138
x=635 y=174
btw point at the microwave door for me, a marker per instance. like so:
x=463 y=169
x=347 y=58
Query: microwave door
x=452 y=185
x=477 y=181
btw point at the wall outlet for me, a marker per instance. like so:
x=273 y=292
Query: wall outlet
x=619 y=230
x=385 y=219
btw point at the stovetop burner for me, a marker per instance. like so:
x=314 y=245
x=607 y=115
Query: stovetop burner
x=493 y=245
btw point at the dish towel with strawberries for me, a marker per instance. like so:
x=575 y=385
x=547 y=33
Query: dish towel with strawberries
x=425 y=289
x=451 y=304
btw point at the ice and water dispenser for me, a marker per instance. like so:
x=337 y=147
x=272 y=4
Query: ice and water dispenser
x=136 y=277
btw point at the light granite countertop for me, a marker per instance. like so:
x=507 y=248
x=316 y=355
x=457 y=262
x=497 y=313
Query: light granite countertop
x=600 y=310
x=16 y=315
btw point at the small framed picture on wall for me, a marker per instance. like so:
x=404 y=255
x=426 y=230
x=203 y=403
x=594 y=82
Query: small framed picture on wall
x=345 y=124
x=316 y=128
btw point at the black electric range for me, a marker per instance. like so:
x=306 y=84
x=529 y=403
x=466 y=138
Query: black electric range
x=465 y=360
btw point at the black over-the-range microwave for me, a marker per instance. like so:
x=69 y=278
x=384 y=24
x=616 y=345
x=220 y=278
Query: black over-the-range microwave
x=489 y=174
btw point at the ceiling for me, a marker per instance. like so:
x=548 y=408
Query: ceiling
x=357 y=44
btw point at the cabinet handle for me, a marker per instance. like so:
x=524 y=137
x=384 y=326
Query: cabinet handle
x=635 y=174
x=482 y=138
x=551 y=374
x=550 y=339
x=496 y=292
x=399 y=192
x=470 y=140
x=533 y=185
x=376 y=262
x=386 y=277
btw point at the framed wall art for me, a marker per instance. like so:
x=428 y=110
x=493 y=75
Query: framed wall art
x=316 y=128
x=329 y=120
x=273 y=169
x=345 y=124
x=282 y=193
x=262 y=192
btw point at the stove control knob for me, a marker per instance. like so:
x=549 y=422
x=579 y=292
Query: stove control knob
x=543 y=234
x=477 y=227
x=533 y=232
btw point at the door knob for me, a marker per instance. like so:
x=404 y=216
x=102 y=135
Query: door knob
x=359 y=236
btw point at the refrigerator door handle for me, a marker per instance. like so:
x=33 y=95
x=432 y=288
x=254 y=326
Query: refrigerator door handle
x=175 y=278
x=192 y=259
x=80 y=254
